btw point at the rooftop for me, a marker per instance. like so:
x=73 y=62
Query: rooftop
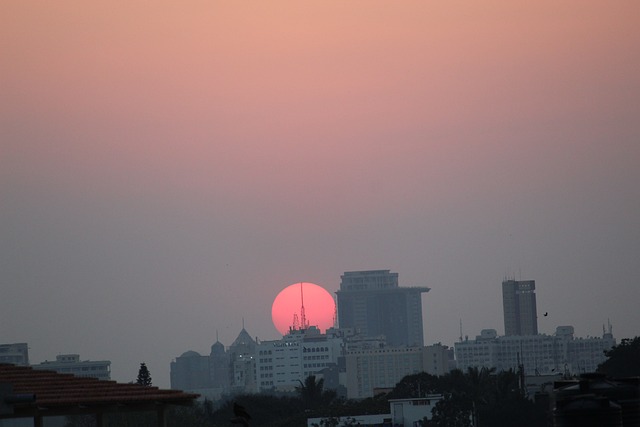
x=63 y=394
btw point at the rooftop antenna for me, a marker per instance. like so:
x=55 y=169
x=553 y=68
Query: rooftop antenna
x=303 y=319
x=296 y=322
x=460 y=330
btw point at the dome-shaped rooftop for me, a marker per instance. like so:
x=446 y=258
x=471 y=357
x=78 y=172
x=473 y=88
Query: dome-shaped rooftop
x=217 y=348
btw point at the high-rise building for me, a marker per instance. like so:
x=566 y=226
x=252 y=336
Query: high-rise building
x=372 y=303
x=519 y=305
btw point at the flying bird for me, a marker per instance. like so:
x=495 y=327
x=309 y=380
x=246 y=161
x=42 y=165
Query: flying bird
x=546 y=313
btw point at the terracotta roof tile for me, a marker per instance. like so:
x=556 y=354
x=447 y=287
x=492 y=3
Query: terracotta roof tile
x=53 y=389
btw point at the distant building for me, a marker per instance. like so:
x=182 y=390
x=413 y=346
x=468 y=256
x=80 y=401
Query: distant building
x=519 y=306
x=209 y=376
x=242 y=363
x=351 y=364
x=219 y=367
x=16 y=354
x=372 y=303
x=438 y=359
x=283 y=364
x=71 y=364
x=190 y=372
x=538 y=354
x=383 y=367
x=377 y=318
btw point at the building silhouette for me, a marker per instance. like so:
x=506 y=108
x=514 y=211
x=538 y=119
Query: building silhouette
x=519 y=306
x=190 y=371
x=242 y=363
x=71 y=364
x=16 y=354
x=219 y=367
x=372 y=303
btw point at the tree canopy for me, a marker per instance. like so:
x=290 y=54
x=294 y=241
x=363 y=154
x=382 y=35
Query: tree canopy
x=477 y=395
x=623 y=360
x=144 y=377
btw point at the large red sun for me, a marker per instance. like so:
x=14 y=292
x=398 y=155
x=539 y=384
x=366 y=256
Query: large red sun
x=319 y=307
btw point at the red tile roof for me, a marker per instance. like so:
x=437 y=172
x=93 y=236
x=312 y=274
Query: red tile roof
x=55 y=390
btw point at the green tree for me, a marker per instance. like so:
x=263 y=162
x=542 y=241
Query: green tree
x=416 y=385
x=623 y=360
x=144 y=377
x=452 y=411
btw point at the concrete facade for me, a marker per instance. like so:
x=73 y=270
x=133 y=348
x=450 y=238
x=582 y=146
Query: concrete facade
x=382 y=368
x=282 y=364
x=538 y=354
x=519 y=306
x=372 y=303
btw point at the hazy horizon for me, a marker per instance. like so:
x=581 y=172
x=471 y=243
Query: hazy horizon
x=167 y=168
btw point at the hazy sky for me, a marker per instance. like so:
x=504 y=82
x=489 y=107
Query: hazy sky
x=166 y=168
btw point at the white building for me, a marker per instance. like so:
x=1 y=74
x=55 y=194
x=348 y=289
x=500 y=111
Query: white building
x=403 y=413
x=15 y=354
x=71 y=364
x=383 y=367
x=283 y=364
x=538 y=354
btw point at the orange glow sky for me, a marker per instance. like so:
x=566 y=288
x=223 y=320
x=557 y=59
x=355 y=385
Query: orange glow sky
x=166 y=166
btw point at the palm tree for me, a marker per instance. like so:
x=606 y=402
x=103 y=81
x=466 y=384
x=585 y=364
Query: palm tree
x=311 y=391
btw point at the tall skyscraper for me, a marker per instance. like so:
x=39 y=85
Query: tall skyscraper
x=373 y=304
x=519 y=306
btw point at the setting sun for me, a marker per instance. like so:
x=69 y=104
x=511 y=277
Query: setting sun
x=319 y=307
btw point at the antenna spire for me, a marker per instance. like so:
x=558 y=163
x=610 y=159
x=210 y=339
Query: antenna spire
x=303 y=318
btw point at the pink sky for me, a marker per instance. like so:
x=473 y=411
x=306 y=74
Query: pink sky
x=204 y=155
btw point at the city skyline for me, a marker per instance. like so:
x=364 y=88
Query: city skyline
x=166 y=169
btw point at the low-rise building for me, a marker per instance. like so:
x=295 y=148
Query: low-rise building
x=537 y=354
x=402 y=413
x=71 y=364
x=15 y=354
x=383 y=367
